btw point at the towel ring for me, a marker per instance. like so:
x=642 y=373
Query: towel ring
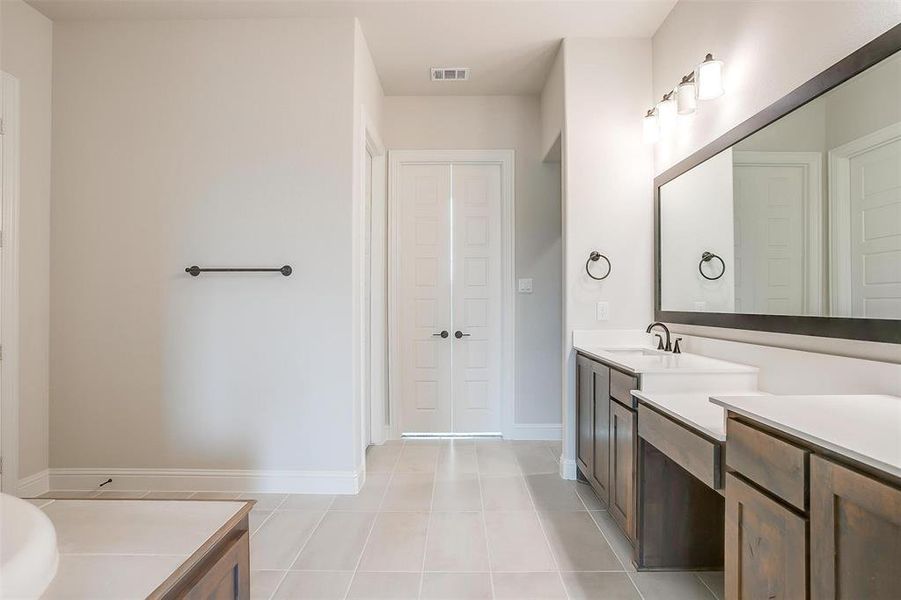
x=707 y=257
x=594 y=257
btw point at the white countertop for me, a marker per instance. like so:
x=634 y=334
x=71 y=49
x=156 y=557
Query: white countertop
x=638 y=359
x=864 y=428
x=127 y=548
x=693 y=409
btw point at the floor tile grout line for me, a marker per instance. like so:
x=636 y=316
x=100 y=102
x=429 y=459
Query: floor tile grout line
x=296 y=556
x=547 y=540
x=484 y=523
x=428 y=525
x=378 y=511
x=604 y=535
x=709 y=589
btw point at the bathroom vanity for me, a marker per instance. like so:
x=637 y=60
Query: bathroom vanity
x=813 y=494
x=659 y=471
x=155 y=549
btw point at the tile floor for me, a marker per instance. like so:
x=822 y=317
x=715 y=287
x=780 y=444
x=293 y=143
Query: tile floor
x=454 y=520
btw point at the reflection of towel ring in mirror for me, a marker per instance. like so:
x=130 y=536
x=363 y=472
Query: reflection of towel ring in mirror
x=707 y=257
x=594 y=257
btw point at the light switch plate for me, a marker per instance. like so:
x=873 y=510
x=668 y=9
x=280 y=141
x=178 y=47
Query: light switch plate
x=525 y=286
x=603 y=311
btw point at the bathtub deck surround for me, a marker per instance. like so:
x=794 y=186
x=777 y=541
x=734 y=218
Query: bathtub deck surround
x=159 y=549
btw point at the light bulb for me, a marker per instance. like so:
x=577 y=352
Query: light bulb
x=710 y=78
x=686 y=96
x=650 y=128
x=666 y=112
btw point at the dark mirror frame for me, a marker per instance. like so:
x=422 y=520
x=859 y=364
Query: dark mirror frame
x=875 y=330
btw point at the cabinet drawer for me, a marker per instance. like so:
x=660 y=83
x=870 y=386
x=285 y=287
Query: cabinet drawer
x=621 y=386
x=768 y=461
x=693 y=453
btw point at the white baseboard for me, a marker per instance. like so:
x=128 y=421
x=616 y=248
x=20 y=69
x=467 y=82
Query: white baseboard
x=209 y=480
x=34 y=485
x=567 y=468
x=548 y=431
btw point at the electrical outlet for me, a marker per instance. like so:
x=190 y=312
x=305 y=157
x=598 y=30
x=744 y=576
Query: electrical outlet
x=525 y=286
x=603 y=311
x=700 y=306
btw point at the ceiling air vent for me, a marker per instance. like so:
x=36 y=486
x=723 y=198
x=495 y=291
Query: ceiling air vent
x=450 y=74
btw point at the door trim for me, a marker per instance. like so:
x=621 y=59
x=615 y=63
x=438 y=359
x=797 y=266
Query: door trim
x=9 y=287
x=840 y=213
x=504 y=158
x=371 y=396
x=812 y=164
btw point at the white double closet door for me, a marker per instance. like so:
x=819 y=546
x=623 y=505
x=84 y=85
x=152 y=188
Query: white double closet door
x=449 y=250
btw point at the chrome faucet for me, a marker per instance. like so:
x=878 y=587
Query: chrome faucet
x=668 y=347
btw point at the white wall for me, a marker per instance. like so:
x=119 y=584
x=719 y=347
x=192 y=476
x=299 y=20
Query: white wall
x=552 y=107
x=27 y=47
x=216 y=143
x=608 y=204
x=501 y=122
x=769 y=48
x=696 y=217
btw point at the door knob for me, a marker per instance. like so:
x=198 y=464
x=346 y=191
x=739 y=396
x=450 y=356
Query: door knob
x=459 y=334
x=443 y=334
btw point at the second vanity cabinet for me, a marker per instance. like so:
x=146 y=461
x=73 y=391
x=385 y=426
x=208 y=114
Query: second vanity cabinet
x=607 y=437
x=804 y=523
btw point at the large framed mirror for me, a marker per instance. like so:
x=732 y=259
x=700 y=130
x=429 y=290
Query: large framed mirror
x=791 y=222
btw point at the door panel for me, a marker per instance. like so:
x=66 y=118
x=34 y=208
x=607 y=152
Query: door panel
x=766 y=546
x=876 y=232
x=770 y=204
x=476 y=272
x=600 y=468
x=855 y=534
x=622 y=468
x=585 y=392
x=425 y=297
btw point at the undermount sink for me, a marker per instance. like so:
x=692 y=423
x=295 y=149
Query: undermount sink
x=634 y=352
x=28 y=552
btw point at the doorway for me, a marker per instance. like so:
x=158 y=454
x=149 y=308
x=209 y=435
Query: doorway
x=451 y=276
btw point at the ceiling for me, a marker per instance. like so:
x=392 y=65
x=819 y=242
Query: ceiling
x=509 y=44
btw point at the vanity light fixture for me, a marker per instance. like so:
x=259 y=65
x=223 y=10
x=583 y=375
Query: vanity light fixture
x=686 y=95
x=710 y=78
x=650 y=128
x=704 y=83
x=666 y=110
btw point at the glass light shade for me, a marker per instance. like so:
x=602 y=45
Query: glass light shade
x=710 y=79
x=686 y=98
x=666 y=112
x=650 y=128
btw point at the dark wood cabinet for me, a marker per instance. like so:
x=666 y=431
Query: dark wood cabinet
x=600 y=470
x=855 y=534
x=584 y=414
x=801 y=525
x=766 y=546
x=622 y=467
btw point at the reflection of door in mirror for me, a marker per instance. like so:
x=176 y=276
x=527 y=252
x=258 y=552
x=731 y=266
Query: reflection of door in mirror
x=866 y=225
x=777 y=199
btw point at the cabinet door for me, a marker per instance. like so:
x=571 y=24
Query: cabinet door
x=855 y=534
x=584 y=416
x=601 y=468
x=766 y=546
x=622 y=467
